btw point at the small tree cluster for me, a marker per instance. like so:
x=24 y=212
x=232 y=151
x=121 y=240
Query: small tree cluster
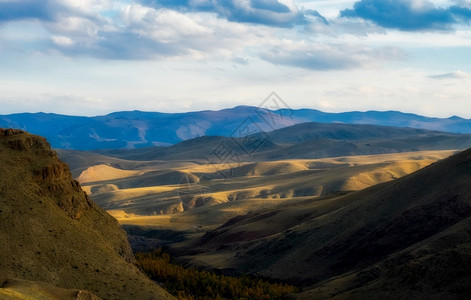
x=192 y=284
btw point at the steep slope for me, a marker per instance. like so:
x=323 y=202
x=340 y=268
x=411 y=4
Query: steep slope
x=135 y=129
x=52 y=233
x=411 y=236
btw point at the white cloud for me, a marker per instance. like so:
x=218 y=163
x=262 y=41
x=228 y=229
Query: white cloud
x=91 y=7
x=453 y=75
x=463 y=3
x=62 y=41
x=325 y=56
x=164 y=25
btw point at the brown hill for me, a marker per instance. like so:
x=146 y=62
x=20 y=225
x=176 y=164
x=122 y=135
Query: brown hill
x=409 y=237
x=52 y=233
x=175 y=187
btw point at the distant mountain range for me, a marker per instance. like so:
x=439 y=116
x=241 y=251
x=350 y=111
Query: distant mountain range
x=136 y=129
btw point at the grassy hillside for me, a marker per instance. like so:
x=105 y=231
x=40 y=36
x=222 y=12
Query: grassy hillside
x=410 y=236
x=28 y=290
x=51 y=232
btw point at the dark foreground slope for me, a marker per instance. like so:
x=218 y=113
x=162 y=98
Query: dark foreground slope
x=409 y=237
x=51 y=232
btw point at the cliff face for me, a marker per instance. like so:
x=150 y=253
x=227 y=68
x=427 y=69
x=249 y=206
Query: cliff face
x=51 y=232
x=49 y=173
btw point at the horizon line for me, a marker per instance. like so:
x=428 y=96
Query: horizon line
x=230 y=108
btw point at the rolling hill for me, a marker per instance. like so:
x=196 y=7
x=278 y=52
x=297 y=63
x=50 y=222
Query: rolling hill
x=302 y=141
x=409 y=238
x=136 y=129
x=189 y=198
x=55 y=241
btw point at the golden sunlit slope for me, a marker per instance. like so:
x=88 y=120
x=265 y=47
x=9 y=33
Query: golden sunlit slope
x=186 y=187
x=188 y=199
x=78 y=161
x=30 y=290
x=51 y=232
x=410 y=237
x=104 y=172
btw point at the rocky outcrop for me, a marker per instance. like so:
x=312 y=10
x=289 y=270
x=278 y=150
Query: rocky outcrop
x=50 y=174
x=56 y=181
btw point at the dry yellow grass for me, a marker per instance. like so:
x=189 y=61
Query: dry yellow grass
x=197 y=220
x=124 y=194
x=105 y=172
x=253 y=185
x=120 y=214
x=31 y=290
x=377 y=175
x=191 y=167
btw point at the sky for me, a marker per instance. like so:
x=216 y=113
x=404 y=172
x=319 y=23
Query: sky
x=93 y=57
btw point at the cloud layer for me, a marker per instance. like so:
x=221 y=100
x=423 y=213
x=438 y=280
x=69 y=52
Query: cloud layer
x=266 y=12
x=276 y=31
x=104 y=55
x=452 y=75
x=409 y=15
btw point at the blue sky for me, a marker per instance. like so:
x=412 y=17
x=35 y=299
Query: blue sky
x=92 y=57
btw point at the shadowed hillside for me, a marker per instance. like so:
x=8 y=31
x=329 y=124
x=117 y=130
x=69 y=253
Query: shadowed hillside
x=306 y=141
x=52 y=233
x=410 y=236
